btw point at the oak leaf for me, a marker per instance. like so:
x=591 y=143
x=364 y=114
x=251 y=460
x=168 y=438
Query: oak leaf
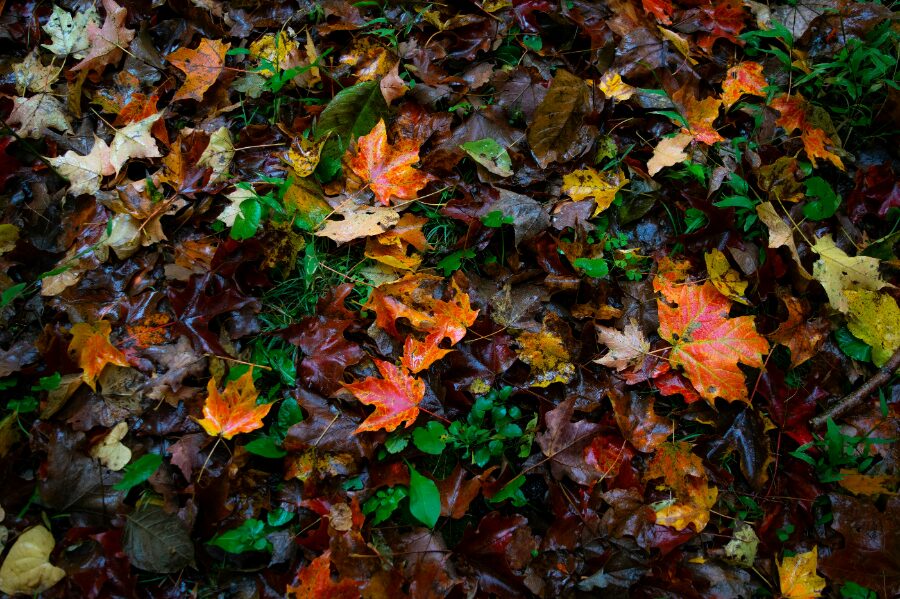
x=201 y=67
x=798 y=578
x=107 y=42
x=837 y=271
x=388 y=168
x=234 y=410
x=93 y=351
x=34 y=116
x=745 y=78
x=588 y=183
x=27 y=568
x=396 y=397
x=315 y=582
x=706 y=344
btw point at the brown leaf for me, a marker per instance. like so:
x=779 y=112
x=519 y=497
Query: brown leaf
x=564 y=442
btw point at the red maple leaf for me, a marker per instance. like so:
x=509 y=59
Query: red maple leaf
x=388 y=168
x=396 y=397
x=235 y=410
x=315 y=582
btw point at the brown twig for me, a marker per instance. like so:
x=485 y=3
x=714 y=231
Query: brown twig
x=853 y=400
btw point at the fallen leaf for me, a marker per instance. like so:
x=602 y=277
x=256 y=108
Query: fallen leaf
x=393 y=247
x=743 y=546
x=68 y=34
x=84 y=173
x=564 y=441
x=33 y=117
x=625 y=348
x=358 y=221
x=866 y=484
x=802 y=336
x=793 y=117
x=682 y=471
x=780 y=233
x=555 y=131
x=548 y=352
x=388 y=168
x=106 y=43
x=744 y=78
x=32 y=75
x=419 y=355
x=798 y=578
x=706 y=344
x=218 y=156
x=235 y=410
x=699 y=115
x=412 y=298
x=396 y=397
x=874 y=318
x=27 y=568
x=315 y=582
x=157 y=541
x=837 y=272
x=669 y=152
x=614 y=88
x=93 y=351
x=201 y=67
x=588 y=183
x=726 y=279
x=133 y=141
x=304 y=155
x=110 y=451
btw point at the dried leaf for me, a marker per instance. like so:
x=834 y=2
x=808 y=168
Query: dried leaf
x=625 y=348
x=669 y=152
x=27 y=568
x=201 y=67
x=93 y=351
x=68 y=34
x=358 y=221
x=106 y=42
x=110 y=451
x=726 y=279
x=548 y=352
x=315 y=581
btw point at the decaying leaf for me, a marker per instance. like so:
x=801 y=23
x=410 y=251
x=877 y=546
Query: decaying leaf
x=34 y=116
x=218 y=154
x=726 y=279
x=357 y=222
x=837 y=272
x=201 y=67
x=548 y=352
x=69 y=33
x=625 y=348
x=669 y=152
x=554 y=133
x=874 y=318
x=588 y=183
x=111 y=452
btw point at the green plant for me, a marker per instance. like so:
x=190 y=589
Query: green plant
x=744 y=205
x=269 y=444
x=384 y=502
x=424 y=500
x=490 y=429
x=139 y=471
x=251 y=534
x=836 y=451
x=851 y=590
x=258 y=207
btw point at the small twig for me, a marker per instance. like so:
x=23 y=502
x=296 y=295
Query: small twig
x=853 y=400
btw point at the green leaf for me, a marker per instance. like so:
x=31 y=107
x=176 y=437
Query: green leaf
x=851 y=590
x=247 y=221
x=491 y=155
x=353 y=112
x=395 y=443
x=430 y=438
x=533 y=42
x=592 y=267
x=249 y=536
x=139 y=471
x=384 y=503
x=509 y=490
x=424 y=499
x=826 y=202
x=10 y=294
x=48 y=383
x=23 y=406
x=279 y=517
x=453 y=261
x=496 y=219
x=289 y=414
x=853 y=347
x=265 y=446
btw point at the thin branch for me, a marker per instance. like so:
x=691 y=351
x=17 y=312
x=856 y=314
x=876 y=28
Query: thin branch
x=854 y=399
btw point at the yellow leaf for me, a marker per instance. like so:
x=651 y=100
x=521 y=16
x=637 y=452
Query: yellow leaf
x=780 y=233
x=614 y=88
x=218 y=154
x=547 y=352
x=695 y=510
x=837 y=272
x=588 y=183
x=874 y=318
x=273 y=48
x=669 y=152
x=866 y=484
x=726 y=279
x=27 y=568
x=798 y=576
x=111 y=452
x=304 y=156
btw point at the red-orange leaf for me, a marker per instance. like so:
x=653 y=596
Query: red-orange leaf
x=201 y=67
x=454 y=317
x=700 y=115
x=412 y=297
x=745 y=78
x=93 y=351
x=396 y=397
x=706 y=344
x=661 y=9
x=315 y=582
x=419 y=355
x=388 y=168
x=815 y=140
x=234 y=410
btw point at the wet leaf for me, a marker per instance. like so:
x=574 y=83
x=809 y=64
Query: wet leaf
x=201 y=67
x=396 y=397
x=27 y=568
x=235 y=410
x=798 y=578
x=386 y=168
x=554 y=133
x=157 y=541
x=92 y=349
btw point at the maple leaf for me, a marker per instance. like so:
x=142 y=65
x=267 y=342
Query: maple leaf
x=68 y=34
x=107 y=42
x=669 y=152
x=588 y=183
x=419 y=355
x=201 y=66
x=412 y=297
x=32 y=75
x=745 y=78
x=798 y=578
x=453 y=318
x=780 y=233
x=726 y=279
x=359 y=221
x=614 y=88
x=793 y=116
x=682 y=471
x=392 y=247
x=721 y=19
x=133 y=141
x=388 y=168
x=93 y=351
x=803 y=337
x=315 y=582
x=706 y=344
x=85 y=172
x=396 y=397
x=235 y=410
x=661 y=9
x=35 y=115
x=699 y=115
x=548 y=352
x=564 y=443
x=837 y=271
x=625 y=347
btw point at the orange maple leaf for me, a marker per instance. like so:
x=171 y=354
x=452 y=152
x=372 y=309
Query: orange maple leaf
x=706 y=344
x=419 y=355
x=794 y=117
x=682 y=471
x=201 y=67
x=235 y=410
x=388 y=168
x=412 y=297
x=454 y=317
x=797 y=576
x=315 y=582
x=396 y=397
x=744 y=78
x=700 y=115
x=93 y=351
